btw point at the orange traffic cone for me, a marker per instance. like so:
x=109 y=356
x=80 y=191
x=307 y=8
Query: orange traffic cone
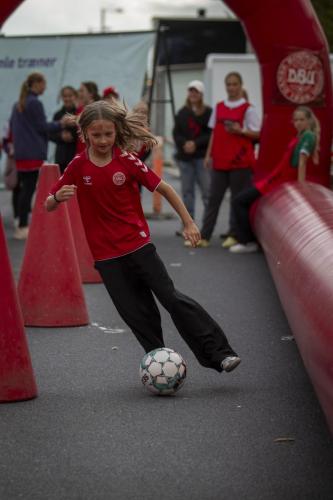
x=17 y=380
x=50 y=289
x=84 y=256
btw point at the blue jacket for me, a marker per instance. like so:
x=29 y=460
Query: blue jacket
x=30 y=130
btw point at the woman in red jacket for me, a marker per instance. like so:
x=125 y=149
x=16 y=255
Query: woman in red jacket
x=230 y=153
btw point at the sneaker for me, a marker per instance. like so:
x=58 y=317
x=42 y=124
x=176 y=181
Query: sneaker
x=230 y=363
x=21 y=233
x=250 y=247
x=229 y=242
x=203 y=243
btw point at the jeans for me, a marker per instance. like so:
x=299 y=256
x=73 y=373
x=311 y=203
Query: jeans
x=194 y=173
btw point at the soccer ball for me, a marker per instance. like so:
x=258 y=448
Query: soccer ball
x=163 y=371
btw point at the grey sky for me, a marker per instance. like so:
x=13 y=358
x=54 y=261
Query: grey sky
x=81 y=16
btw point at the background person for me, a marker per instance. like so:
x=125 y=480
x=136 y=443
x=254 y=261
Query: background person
x=30 y=131
x=230 y=153
x=302 y=150
x=66 y=138
x=110 y=93
x=88 y=93
x=191 y=135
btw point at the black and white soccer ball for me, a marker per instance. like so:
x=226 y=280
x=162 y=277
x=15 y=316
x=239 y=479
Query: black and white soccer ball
x=163 y=371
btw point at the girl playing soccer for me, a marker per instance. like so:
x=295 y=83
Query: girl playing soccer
x=301 y=150
x=106 y=177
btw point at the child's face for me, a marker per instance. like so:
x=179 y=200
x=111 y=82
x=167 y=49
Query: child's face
x=300 y=121
x=101 y=136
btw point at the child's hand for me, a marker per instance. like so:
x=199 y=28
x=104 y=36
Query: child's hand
x=192 y=233
x=66 y=192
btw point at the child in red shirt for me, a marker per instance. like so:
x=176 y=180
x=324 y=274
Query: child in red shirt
x=105 y=178
x=301 y=151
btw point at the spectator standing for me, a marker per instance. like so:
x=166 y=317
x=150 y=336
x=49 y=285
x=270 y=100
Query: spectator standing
x=191 y=135
x=66 y=138
x=88 y=93
x=30 y=131
x=230 y=153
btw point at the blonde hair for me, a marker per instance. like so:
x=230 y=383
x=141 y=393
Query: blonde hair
x=26 y=88
x=314 y=126
x=128 y=124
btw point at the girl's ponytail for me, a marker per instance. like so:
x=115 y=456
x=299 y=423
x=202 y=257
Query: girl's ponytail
x=26 y=88
x=23 y=95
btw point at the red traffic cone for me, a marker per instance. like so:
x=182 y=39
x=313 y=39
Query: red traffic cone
x=17 y=380
x=84 y=256
x=50 y=289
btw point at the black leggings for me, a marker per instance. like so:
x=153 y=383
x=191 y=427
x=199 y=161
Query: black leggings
x=241 y=208
x=27 y=182
x=131 y=281
x=237 y=180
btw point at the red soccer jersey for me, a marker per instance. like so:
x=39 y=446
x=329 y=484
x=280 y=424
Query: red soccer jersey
x=110 y=203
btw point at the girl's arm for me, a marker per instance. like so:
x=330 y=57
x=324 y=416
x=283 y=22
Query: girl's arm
x=302 y=161
x=191 y=232
x=63 y=194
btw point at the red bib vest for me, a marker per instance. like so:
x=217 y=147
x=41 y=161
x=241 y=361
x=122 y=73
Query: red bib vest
x=231 y=151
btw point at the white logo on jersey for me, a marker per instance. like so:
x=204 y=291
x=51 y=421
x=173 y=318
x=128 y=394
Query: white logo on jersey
x=87 y=180
x=119 y=178
x=143 y=234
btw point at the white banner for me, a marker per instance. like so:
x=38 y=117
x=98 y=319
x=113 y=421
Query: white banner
x=119 y=60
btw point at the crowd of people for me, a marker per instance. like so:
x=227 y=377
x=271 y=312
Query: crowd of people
x=27 y=134
x=214 y=150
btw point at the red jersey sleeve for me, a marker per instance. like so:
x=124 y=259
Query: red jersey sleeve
x=139 y=171
x=68 y=177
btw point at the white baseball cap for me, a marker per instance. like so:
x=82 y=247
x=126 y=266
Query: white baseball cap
x=197 y=85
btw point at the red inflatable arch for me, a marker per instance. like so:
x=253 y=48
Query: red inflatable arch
x=293 y=56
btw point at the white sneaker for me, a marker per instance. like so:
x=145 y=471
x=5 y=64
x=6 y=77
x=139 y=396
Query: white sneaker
x=21 y=233
x=250 y=247
x=230 y=363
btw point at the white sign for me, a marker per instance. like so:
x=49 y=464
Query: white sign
x=119 y=60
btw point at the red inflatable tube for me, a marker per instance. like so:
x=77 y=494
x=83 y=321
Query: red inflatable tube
x=294 y=225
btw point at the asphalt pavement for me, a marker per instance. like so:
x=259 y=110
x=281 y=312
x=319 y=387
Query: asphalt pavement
x=94 y=432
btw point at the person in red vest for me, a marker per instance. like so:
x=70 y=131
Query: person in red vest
x=235 y=126
x=301 y=155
